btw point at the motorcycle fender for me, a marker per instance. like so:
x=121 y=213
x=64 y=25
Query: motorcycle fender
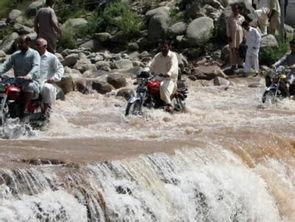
x=133 y=99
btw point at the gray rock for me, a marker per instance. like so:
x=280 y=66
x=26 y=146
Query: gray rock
x=158 y=11
x=34 y=6
x=96 y=58
x=103 y=65
x=225 y=54
x=122 y=64
x=158 y=26
x=75 y=23
x=133 y=46
x=3 y=23
x=92 y=45
x=289 y=32
x=103 y=36
x=177 y=29
x=137 y=63
x=12 y=16
x=82 y=86
x=71 y=60
x=117 y=80
x=269 y=41
x=125 y=93
x=219 y=81
x=134 y=55
x=101 y=87
x=8 y=44
x=21 y=29
x=199 y=31
x=91 y=73
x=59 y=56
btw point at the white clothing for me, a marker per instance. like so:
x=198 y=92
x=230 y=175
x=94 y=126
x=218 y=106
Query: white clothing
x=52 y=69
x=166 y=65
x=253 y=39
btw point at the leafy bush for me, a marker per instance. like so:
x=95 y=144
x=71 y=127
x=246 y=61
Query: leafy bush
x=121 y=16
x=269 y=56
x=68 y=39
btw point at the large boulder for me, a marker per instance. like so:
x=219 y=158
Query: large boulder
x=122 y=64
x=103 y=36
x=75 y=23
x=84 y=64
x=34 y=6
x=22 y=30
x=66 y=84
x=125 y=93
x=269 y=41
x=158 y=26
x=158 y=11
x=101 y=87
x=103 y=65
x=177 y=29
x=199 y=31
x=13 y=15
x=117 y=80
x=8 y=45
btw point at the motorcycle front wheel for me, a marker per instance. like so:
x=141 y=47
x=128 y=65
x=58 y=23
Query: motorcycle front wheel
x=269 y=97
x=134 y=108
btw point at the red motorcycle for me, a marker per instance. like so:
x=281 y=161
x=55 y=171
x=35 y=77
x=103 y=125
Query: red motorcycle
x=10 y=103
x=148 y=95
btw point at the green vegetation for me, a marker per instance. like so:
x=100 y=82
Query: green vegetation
x=5 y=6
x=269 y=56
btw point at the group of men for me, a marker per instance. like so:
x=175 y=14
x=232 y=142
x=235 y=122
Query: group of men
x=37 y=71
x=239 y=30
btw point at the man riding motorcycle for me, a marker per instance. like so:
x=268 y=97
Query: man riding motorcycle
x=26 y=66
x=166 y=64
x=288 y=60
x=51 y=70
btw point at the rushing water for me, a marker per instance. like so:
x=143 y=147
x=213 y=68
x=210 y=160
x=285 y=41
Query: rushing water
x=227 y=158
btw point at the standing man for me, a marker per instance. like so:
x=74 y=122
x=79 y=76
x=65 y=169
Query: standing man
x=51 y=70
x=26 y=67
x=262 y=11
x=274 y=16
x=234 y=33
x=253 y=38
x=46 y=25
x=166 y=63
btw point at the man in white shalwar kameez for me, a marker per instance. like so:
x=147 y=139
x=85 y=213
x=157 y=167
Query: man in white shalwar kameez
x=166 y=63
x=253 y=38
x=51 y=71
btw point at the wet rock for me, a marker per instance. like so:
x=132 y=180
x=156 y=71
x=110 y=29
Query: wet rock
x=34 y=6
x=219 y=81
x=96 y=58
x=82 y=86
x=12 y=16
x=208 y=72
x=101 y=87
x=66 y=84
x=71 y=60
x=8 y=44
x=269 y=41
x=122 y=64
x=117 y=80
x=137 y=64
x=74 y=73
x=125 y=93
x=199 y=31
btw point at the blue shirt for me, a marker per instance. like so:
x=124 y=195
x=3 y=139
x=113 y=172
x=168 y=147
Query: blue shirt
x=23 y=64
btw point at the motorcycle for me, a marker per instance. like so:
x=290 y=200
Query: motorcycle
x=276 y=85
x=10 y=104
x=148 y=95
